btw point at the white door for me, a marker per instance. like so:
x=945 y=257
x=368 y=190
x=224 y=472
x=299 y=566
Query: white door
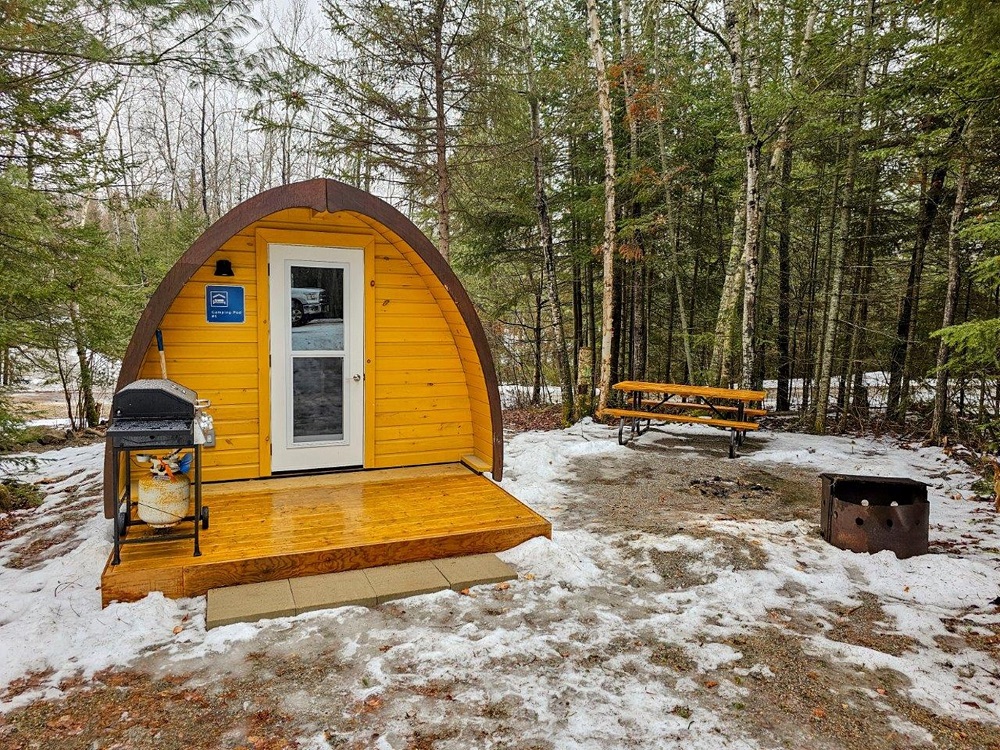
x=317 y=357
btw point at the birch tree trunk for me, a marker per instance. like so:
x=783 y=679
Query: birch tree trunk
x=608 y=250
x=741 y=20
x=939 y=421
x=726 y=319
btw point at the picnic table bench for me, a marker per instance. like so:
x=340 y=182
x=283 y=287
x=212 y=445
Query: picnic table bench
x=725 y=408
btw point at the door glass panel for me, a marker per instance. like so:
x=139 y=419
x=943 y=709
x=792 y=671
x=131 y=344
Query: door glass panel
x=317 y=302
x=318 y=399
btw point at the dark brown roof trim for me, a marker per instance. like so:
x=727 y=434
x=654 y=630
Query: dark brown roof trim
x=320 y=195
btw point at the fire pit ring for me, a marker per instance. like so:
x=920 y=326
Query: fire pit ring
x=871 y=514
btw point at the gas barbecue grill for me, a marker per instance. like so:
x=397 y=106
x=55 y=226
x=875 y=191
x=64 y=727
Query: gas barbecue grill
x=153 y=416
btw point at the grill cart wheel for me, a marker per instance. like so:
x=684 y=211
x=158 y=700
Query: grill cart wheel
x=121 y=519
x=204 y=517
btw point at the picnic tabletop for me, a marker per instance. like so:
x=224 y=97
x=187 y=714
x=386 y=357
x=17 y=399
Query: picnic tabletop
x=677 y=389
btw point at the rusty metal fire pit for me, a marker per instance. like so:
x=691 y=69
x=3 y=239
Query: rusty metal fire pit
x=871 y=514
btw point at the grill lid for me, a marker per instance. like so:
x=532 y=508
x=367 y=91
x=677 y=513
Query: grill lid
x=154 y=399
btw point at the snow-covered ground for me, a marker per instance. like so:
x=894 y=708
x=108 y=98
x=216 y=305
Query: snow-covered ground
x=583 y=650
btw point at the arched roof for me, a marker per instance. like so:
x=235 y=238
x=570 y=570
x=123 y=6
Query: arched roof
x=320 y=195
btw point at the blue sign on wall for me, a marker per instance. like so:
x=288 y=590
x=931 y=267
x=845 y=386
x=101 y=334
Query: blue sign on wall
x=225 y=304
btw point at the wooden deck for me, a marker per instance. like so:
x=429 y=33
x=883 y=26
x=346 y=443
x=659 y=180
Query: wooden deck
x=270 y=529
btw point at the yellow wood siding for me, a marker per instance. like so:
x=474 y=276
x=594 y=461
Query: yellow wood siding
x=425 y=392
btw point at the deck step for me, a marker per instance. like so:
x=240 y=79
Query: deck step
x=251 y=602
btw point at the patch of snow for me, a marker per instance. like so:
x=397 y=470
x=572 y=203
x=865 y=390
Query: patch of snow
x=520 y=395
x=568 y=649
x=50 y=612
x=56 y=422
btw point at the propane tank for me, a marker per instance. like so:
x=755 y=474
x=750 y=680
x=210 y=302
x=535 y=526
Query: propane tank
x=165 y=492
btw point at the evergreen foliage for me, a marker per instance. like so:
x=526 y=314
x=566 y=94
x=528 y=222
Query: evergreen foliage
x=127 y=126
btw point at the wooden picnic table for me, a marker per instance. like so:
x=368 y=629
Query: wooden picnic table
x=725 y=408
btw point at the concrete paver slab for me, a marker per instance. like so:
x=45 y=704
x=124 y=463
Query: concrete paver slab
x=248 y=603
x=408 y=579
x=332 y=590
x=474 y=570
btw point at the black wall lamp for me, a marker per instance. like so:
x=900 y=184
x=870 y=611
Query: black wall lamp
x=224 y=267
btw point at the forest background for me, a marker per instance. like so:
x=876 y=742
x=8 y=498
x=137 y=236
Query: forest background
x=723 y=192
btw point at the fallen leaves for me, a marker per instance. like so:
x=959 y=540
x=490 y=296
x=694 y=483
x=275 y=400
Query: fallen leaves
x=818 y=713
x=65 y=725
x=502 y=586
x=371 y=704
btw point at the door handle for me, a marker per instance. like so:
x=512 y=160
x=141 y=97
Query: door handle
x=357 y=378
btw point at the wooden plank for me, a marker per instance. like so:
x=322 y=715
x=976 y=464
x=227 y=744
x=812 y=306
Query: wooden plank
x=189 y=367
x=207 y=335
x=686 y=418
x=231 y=472
x=475 y=463
x=392 y=328
x=436 y=416
x=206 y=275
x=387 y=460
x=233 y=379
x=231 y=442
x=677 y=389
x=384 y=292
x=392 y=376
x=429 y=364
x=216 y=457
x=420 y=391
x=227 y=427
x=400 y=432
x=694 y=406
x=222 y=351
x=230 y=397
x=195 y=321
x=241 y=242
x=417 y=353
x=482 y=441
x=401 y=280
x=294 y=484
x=425 y=443
x=399 y=265
x=426 y=404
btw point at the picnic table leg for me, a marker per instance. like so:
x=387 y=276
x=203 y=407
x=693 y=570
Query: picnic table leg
x=621 y=432
x=740 y=416
x=732 y=443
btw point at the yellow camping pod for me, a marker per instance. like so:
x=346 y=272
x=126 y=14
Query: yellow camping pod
x=332 y=339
